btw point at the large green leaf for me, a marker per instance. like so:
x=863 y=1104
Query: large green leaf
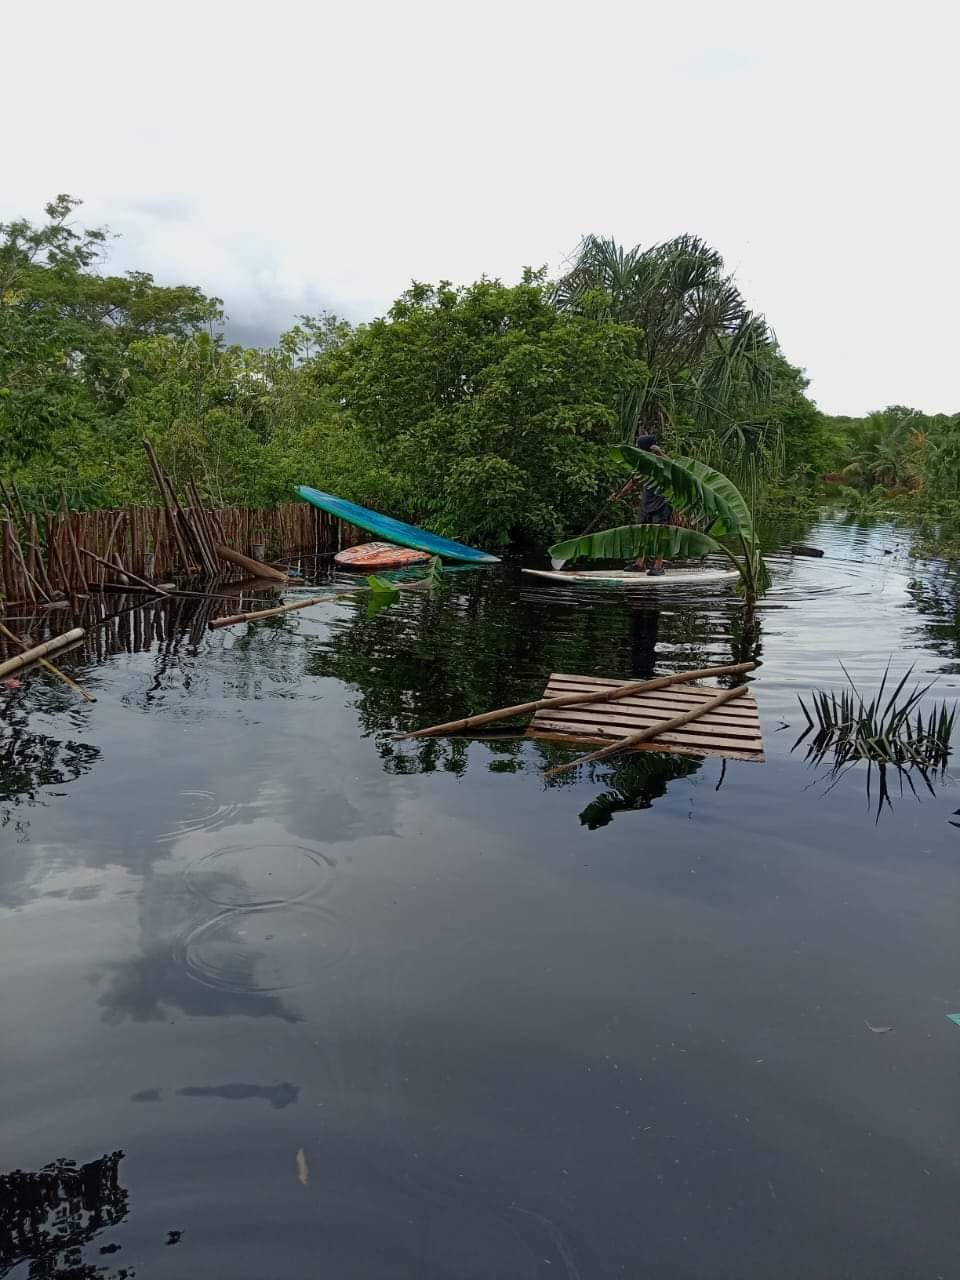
x=630 y=541
x=690 y=485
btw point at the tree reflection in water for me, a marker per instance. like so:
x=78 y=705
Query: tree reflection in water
x=484 y=640
x=635 y=783
x=30 y=761
x=47 y=1218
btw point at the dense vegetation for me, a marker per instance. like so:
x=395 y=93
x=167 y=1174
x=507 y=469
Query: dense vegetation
x=485 y=411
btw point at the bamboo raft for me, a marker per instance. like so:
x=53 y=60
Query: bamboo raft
x=731 y=731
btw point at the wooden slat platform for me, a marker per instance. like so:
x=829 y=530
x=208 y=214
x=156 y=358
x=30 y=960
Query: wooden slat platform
x=731 y=731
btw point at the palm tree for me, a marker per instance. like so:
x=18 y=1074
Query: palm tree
x=885 y=449
x=707 y=353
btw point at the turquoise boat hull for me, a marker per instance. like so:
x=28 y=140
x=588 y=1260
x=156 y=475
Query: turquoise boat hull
x=404 y=535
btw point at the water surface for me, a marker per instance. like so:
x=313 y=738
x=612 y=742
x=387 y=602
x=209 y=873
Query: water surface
x=283 y=998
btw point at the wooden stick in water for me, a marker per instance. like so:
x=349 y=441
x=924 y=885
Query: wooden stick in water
x=150 y=586
x=61 y=675
x=234 y=618
x=255 y=567
x=652 y=731
x=571 y=699
x=39 y=651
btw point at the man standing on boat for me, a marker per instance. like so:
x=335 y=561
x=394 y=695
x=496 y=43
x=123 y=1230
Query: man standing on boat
x=654 y=509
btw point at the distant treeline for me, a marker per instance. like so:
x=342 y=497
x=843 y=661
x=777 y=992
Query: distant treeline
x=484 y=412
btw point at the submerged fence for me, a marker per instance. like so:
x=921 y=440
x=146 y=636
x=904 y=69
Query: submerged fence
x=41 y=558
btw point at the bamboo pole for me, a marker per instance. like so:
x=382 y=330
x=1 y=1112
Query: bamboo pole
x=61 y=675
x=39 y=651
x=33 y=532
x=33 y=586
x=150 y=586
x=171 y=513
x=72 y=542
x=571 y=699
x=203 y=525
x=233 y=619
x=252 y=566
x=652 y=731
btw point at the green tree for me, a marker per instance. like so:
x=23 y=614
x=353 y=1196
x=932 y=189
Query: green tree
x=65 y=329
x=482 y=412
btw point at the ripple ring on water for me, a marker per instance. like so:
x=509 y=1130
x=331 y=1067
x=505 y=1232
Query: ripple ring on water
x=262 y=951
x=259 y=875
x=216 y=816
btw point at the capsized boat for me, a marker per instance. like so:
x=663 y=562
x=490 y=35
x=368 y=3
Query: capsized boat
x=368 y=557
x=405 y=535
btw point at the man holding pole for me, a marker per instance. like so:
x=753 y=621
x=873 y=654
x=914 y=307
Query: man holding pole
x=654 y=509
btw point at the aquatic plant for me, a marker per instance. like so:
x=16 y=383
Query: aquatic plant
x=886 y=731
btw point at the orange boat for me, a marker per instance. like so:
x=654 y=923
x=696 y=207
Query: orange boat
x=370 y=556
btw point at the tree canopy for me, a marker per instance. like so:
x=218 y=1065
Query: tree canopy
x=483 y=411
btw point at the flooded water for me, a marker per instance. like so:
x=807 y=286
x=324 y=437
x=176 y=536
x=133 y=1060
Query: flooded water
x=283 y=998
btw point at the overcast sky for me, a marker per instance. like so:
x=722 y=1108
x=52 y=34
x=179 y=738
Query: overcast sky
x=292 y=157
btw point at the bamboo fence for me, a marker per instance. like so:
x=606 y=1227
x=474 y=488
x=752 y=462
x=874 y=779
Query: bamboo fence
x=41 y=562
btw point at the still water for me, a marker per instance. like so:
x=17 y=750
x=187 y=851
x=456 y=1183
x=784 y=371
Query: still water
x=283 y=999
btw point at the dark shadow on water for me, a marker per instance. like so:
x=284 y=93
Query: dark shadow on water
x=48 y=1218
x=278 y=1095
x=636 y=783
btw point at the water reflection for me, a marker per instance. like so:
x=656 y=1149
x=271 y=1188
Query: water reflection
x=488 y=640
x=518 y=1032
x=883 y=783
x=48 y=1217
x=31 y=760
x=936 y=601
x=203 y=960
x=634 y=784
x=278 y=1095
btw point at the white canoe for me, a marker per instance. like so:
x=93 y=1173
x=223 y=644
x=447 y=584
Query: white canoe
x=632 y=578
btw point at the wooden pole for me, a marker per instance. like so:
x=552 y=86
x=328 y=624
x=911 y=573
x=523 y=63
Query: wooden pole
x=171 y=512
x=34 y=535
x=571 y=699
x=61 y=675
x=203 y=526
x=252 y=566
x=72 y=541
x=652 y=731
x=39 y=651
x=234 y=618
x=13 y=544
x=150 y=586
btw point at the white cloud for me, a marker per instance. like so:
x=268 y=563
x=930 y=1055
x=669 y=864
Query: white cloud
x=290 y=157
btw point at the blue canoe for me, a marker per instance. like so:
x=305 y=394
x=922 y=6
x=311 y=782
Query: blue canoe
x=405 y=535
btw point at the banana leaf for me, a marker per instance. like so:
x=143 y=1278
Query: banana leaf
x=689 y=484
x=630 y=541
